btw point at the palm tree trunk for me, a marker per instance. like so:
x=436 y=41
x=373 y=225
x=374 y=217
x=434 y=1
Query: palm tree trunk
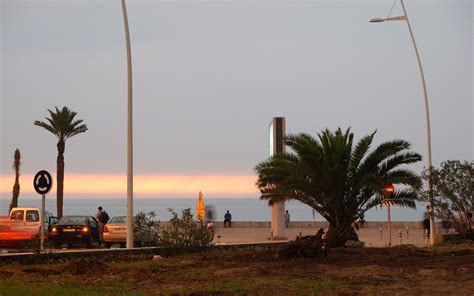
x=16 y=186
x=60 y=178
x=16 y=192
x=338 y=234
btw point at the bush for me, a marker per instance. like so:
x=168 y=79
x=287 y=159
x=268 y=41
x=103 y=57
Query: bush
x=452 y=189
x=145 y=229
x=183 y=233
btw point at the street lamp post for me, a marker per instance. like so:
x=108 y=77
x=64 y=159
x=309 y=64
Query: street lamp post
x=388 y=192
x=129 y=132
x=427 y=112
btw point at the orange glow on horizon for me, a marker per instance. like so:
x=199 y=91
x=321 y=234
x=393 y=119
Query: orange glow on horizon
x=147 y=185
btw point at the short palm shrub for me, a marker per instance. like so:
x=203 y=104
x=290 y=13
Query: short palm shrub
x=339 y=180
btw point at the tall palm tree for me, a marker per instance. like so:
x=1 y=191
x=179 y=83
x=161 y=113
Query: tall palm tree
x=63 y=126
x=16 y=185
x=337 y=180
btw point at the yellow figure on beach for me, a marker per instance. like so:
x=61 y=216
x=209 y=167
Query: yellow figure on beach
x=200 y=209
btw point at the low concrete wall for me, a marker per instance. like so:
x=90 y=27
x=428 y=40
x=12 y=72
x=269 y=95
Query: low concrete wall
x=320 y=224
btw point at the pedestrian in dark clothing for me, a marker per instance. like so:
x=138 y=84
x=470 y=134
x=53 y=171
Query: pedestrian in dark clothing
x=227 y=219
x=287 y=219
x=426 y=223
x=102 y=218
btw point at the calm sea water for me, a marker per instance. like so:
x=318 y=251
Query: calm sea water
x=242 y=209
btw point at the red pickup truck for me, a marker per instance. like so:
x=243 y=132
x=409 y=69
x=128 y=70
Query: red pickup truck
x=22 y=225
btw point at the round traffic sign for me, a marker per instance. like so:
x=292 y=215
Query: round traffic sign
x=42 y=182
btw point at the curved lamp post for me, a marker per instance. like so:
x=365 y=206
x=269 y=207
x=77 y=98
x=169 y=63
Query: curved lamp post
x=129 y=133
x=427 y=111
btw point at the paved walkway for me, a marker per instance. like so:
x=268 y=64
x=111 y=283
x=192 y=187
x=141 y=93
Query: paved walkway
x=371 y=236
x=227 y=236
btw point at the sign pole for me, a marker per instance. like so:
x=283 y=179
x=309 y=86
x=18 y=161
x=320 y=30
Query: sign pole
x=42 y=182
x=43 y=198
x=389 y=226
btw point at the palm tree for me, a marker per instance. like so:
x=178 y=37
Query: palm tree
x=16 y=186
x=63 y=126
x=337 y=180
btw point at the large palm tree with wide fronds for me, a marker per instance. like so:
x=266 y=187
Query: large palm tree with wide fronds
x=63 y=126
x=338 y=180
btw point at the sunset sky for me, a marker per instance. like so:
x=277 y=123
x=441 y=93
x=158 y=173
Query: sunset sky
x=146 y=186
x=208 y=78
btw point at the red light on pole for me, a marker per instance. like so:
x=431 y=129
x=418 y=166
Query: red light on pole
x=388 y=190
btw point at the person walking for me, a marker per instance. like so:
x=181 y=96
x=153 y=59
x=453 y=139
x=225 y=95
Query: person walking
x=287 y=219
x=426 y=223
x=102 y=219
x=227 y=219
x=210 y=229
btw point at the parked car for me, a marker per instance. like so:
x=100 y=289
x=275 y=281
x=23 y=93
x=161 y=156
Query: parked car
x=22 y=225
x=75 y=229
x=115 y=231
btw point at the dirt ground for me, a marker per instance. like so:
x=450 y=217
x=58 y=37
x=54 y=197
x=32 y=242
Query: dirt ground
x=398 y=270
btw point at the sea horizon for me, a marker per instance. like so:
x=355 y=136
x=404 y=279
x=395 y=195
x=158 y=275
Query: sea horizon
x=241 y=208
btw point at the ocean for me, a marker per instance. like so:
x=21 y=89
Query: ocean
x=242 y=209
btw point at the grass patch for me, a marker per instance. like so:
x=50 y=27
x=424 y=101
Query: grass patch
x=62 y=287
x=316 y=286
x=236 y=286
x=351 y=271
x=67 y=287
x=298 y=286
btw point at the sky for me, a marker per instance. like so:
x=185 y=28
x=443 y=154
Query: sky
x=208 y=76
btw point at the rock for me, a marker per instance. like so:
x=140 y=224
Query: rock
x=157 y=258
x=354 y=244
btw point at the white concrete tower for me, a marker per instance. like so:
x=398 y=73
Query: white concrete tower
x=277 y=146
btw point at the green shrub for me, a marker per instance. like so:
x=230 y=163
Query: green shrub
x=183 y=233
x=145 y=229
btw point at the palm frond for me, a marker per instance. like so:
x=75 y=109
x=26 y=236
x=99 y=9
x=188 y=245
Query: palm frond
x=403 y=176
x=401 y=197
x=360 y=151
x=62 y=124
x=383 y=151
x=46 y=126
x=399 y=159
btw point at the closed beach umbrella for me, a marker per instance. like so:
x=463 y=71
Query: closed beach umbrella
x=200 y=208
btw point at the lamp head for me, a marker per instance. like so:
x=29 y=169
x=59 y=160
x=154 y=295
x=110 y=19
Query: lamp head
x=377 y=20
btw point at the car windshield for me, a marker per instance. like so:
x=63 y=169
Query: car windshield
x=72 y=220
x=17 y=215
x=118 y=220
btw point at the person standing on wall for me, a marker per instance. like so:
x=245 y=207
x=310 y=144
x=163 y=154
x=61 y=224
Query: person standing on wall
x=227 y=219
